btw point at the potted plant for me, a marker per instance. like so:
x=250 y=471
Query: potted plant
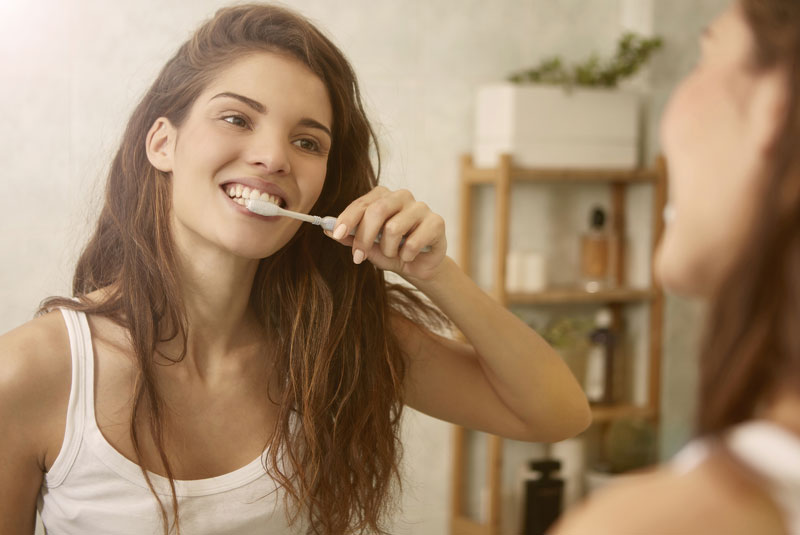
x=553 y=116
x=569 y=336
x=629 y=444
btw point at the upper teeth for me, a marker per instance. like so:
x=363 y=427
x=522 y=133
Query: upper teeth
x=240 y=194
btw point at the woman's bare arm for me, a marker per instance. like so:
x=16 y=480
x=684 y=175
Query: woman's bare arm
x=507 y=380
x=34 y=389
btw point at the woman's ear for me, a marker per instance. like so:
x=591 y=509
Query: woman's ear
x=160 y=144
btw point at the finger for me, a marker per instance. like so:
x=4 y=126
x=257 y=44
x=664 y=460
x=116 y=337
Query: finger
x=372 y=221
x=351 y=216
x=430 y=232
x=401 y=224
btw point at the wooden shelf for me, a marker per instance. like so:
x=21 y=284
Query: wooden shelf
x=558 y=296
x=466 y=526
x=489 y=175
x=501 y=178
x=602 y=413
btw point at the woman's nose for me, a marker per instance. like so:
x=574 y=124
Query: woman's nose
x=271 y=153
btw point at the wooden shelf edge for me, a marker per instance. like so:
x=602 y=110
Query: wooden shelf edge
x=607 y=413
x=461 y=525
x=478 y=175
x=491 y=175
x=578 y=296
x=522 y=174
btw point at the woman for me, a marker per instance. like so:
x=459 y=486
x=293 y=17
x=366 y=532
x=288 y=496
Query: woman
x=206 y=341
x=730 y=135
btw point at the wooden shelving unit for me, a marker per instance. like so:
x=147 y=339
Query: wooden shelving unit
x=501 y=178
x=577 y=296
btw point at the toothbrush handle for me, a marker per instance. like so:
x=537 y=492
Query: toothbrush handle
x=329 y=222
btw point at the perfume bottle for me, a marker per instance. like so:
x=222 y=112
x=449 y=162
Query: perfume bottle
x=599 y=377
x=543 y=496
x=597 y=251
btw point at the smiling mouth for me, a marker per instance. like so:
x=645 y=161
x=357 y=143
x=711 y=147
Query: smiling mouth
x=239 y=194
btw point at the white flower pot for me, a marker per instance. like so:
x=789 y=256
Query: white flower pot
x=550 y=126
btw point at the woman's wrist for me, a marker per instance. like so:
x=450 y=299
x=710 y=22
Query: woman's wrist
x=445 y=273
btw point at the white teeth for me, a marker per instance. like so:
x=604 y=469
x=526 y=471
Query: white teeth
x=240 y=194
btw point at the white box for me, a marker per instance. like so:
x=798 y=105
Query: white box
x=550 y=126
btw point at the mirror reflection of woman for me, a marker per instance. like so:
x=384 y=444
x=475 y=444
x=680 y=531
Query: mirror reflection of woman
x=730 y=135
x=249 y=374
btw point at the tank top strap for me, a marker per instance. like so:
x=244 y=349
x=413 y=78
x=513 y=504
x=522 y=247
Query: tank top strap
x=770 y=451
x=80 y=396
x=774 y=452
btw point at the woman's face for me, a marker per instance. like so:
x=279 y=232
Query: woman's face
x=716 y=134
x=263 y=124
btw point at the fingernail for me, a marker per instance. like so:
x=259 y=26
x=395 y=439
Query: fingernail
x=340 y=231
x=358 y=255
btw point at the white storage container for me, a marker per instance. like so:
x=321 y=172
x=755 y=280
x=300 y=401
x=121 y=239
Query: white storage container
x=550 y=126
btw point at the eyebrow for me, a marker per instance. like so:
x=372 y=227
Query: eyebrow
x=311 y=123
x=256 y=105
x=260 y=108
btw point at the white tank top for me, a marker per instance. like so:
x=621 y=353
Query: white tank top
x=93 y=489
x=769 y=450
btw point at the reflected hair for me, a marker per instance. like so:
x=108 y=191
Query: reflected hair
x=751 y=346
x=335 y=448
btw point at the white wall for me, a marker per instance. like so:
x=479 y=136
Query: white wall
x=73 y=69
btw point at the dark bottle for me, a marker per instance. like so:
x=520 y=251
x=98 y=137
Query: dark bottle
x=542 y=498
x=599 y=379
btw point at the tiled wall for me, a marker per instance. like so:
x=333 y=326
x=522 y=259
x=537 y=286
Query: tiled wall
x=73 y=69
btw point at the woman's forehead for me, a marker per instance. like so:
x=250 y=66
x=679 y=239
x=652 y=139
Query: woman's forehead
x=275 y=77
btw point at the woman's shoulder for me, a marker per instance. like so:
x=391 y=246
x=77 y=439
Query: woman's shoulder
x=716 y=497
x=35 y=353
x=35 y=372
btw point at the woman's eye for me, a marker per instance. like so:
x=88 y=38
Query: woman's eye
x=236 y=120
x=308 y=144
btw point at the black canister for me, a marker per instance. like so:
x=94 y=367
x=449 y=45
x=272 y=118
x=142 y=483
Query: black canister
x=543 y=497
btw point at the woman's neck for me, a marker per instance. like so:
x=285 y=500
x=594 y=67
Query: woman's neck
x=223 y=333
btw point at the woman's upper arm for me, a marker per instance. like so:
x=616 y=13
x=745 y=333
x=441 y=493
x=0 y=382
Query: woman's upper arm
x=445 y=379
x=31 y=381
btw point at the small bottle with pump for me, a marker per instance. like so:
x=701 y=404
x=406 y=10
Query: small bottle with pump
x=598 y=381
x=543 y=497
x=597 y=252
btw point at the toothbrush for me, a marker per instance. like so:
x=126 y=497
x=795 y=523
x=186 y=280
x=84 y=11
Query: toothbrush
x=265 y=208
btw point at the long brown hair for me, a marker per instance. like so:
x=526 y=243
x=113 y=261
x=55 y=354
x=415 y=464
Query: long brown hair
x=752 y=343
x=340 y=363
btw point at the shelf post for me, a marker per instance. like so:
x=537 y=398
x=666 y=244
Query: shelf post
x=465 y=239
x=502 y=199
x=657 y=304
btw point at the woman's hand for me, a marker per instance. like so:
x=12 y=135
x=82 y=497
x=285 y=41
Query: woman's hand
x=396 y=214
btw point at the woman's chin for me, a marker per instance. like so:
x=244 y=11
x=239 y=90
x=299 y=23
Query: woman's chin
x=678 y=275
x=252 y=251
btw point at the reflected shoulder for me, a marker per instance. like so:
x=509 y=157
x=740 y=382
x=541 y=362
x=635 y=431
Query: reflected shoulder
x=708 y=499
